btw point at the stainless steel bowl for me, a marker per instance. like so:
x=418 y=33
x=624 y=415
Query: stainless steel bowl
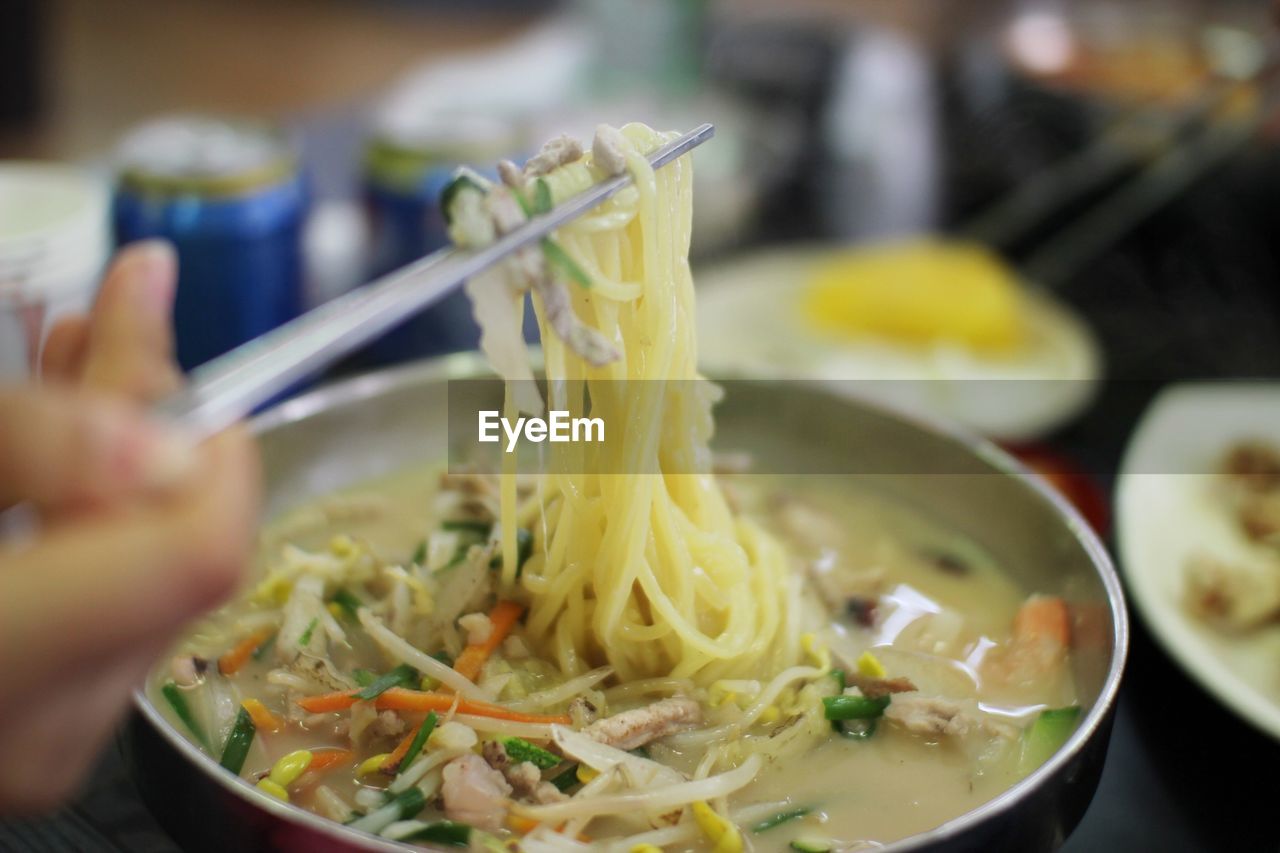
x=379 y=423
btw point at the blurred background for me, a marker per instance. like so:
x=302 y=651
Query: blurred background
x=1081 y=195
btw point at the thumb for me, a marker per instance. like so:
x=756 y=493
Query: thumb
x=59 y=448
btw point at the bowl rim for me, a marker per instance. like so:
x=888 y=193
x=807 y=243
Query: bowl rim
x=466 y=365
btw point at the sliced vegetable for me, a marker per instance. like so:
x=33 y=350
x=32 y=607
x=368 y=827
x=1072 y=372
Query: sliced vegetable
x=173 y=695
x=560 y=260
x=567 y=779
x=289 y=767
x=404 y=805
x=1046 y=735
x=779 y=819
x=854 y=717
x=446 y=832
x=541 y=197
x=467 y=525
x=399 y=677
x=412 y=746
x=812 y=845
x=347 y=600
x=461 y=181
x=524 y=550
x=263 y=720
x=261 y=651
x=403 y=699
x=503 y=616
x=854 y=707
x=364 y=677
x=305 y=639
x=238 y=742
x=232 y=661
x=1043 y=617
x=329 y=758
x=519 y=749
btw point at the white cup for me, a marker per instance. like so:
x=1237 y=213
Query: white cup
x=54 y=241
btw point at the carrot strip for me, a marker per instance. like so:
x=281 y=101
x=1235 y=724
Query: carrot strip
x=330 y=758
x=232 y=661
x=521 y=824
x=263 y=719
x=401 y=699
x=325 y=702
x=402 y=749
x=1043 y=617
x=503 y=616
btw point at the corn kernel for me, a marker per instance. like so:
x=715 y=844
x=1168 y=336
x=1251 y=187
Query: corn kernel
x=373 y=764
x=287 y=770
x=869 y=666
x=272 y=788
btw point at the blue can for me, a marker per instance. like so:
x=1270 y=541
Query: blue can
x=231 y=199
x=408 y=161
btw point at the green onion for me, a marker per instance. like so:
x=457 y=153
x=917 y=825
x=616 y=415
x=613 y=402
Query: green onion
x=467 y=525
x=541 y=196
x=779 y=819
x=524 y=550
x=812 y=845
x=305 y=639
x=559 y=259
x=345 y=599
x=444 y=658
x=451 y=190
x=173 y=694
x=401 y=807
x=261 y=651
x=519 y=749
x=863 y=710
x=420 y=554
x=639 y=751
x=364 y=677
x=238 y=742
x=446 y=832
x=402 y=676
x=567 y=779
x=424 y=732
x=1046 y=735
x=854 y=707
x=837 y=675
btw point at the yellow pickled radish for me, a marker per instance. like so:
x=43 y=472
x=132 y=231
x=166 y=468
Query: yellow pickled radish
x=287 y=770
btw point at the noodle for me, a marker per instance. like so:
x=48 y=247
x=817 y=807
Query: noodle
x=649 y=573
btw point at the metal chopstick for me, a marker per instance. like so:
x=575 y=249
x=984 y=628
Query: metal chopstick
x=229 y=387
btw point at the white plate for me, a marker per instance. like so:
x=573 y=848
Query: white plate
x=749 y=323
x=1166 y=511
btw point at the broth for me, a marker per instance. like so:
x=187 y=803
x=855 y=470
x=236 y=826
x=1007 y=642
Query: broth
x=929 y=604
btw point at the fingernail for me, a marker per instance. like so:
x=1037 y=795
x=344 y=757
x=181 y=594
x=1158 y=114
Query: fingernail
x=153 y=269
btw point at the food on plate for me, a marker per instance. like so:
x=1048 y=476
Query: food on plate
x=1239 y=595
x=658 y=657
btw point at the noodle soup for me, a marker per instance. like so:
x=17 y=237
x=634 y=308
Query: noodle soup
x=888 y=586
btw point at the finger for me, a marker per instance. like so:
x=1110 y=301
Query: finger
x=130 y=334
x=64 y=349
x=113 y=580
x=59 y=448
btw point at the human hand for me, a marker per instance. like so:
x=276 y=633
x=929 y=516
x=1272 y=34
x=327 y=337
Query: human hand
x=140 y=532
